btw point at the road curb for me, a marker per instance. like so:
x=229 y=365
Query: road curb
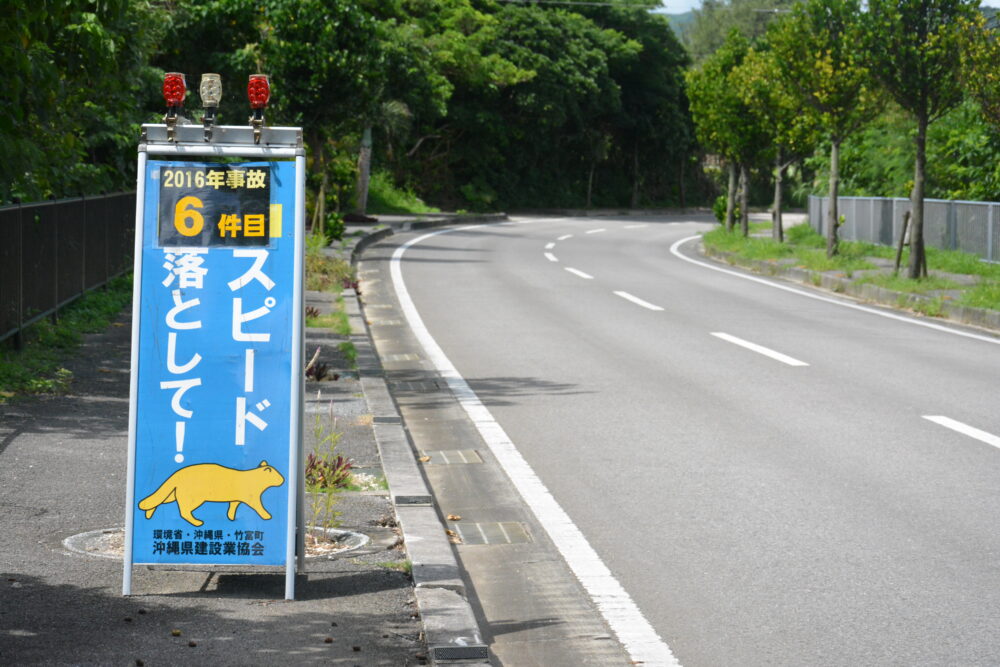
x=377 y=235
x=841 y=284
x=450 y=627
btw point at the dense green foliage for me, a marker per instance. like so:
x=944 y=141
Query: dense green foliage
x=471 y=103
x=77 y=84
x=908 y=90
x=716 y=19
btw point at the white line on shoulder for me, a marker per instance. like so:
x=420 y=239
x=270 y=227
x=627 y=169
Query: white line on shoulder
x=638 y=637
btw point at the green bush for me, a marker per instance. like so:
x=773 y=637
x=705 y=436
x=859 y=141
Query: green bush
x=385 y=197
x=719 y=209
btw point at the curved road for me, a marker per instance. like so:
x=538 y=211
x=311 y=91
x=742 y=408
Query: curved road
x=772 y=478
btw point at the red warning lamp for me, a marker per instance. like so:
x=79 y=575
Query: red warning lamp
x=258 y=92
x=174 y=90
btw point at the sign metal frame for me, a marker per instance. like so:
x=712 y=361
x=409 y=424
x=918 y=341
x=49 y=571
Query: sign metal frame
x=227 y=142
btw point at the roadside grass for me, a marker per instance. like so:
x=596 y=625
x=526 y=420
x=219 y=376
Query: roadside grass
x=325 y=274
x=807 y=249
x=331 y=274
x=337 y=321
x=37 y=368
x=902 y=284
x=385 y=197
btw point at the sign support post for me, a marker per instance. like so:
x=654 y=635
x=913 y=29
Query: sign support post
x=215 y=403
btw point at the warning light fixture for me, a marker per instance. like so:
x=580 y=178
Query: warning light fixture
x=259 y=93
x=174 y=90
x=211 y=94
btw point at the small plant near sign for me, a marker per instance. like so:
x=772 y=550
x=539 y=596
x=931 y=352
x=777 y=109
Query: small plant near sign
x=326 y=474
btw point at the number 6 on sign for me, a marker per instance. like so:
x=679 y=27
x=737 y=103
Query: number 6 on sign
x=187 y=220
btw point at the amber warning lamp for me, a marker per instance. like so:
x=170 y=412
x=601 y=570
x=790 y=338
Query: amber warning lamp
x=259 y=93
x=174 y=90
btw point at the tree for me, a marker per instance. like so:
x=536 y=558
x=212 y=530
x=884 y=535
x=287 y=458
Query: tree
x=820 y=65
x=322 y=55
x=535 y=140
x=715 y=19
x=58 y=137
x=723 y=121
x=653 y=134
x=980 y=58
x=792 y=133
x=914 y=49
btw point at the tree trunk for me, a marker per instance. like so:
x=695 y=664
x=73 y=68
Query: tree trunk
x=318 y=145
x=777 y=233
x=683 y=202
x=832 y=217
x=364 y=171
x=918 y=258
x=731 y=197
x=744 y=200
x=635 y=176
x=590 y=182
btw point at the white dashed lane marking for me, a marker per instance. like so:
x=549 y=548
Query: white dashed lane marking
x=759 y=349
x=965 y=429
x=637 y=301
x=581 y=274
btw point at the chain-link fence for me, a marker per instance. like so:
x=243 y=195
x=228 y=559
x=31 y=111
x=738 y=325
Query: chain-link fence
x=53 y=252
x=969 y=226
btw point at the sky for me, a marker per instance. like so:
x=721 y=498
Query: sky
x=681 y=6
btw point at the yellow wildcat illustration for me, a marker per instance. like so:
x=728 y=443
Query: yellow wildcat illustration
x=195 y=485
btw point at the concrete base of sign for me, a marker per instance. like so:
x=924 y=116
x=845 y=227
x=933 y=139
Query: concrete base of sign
x=110 y=543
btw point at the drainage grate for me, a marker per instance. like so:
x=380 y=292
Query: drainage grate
x=389 y=358
x=456 y=653
x=417 y=385
x=412 y=500
x=506 y=532
x=452 y=456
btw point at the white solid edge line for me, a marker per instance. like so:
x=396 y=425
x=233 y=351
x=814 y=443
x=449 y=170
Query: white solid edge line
x=637 y=301
x=596 y=231
x=760 y=349
x=674 y=249
x=552 y=258
x=965 y=429
x=577 y=272
x=635 y=633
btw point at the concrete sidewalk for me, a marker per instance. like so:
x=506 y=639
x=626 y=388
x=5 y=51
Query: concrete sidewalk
x=62 y=473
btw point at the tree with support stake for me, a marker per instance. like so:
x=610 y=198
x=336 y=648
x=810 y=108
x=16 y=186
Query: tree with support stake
x=914 y=49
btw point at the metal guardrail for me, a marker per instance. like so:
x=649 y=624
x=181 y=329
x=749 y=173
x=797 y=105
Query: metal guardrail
x=969 y=226
x=53 y=252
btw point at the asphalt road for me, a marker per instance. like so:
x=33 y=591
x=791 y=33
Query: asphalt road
x=789 y=503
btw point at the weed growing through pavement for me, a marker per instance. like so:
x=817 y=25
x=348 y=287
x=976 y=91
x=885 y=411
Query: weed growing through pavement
x=326 y=474
x=350 y=353
x=404 y=566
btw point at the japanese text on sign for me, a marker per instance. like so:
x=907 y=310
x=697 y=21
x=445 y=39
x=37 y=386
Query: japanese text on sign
x=214 y=206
